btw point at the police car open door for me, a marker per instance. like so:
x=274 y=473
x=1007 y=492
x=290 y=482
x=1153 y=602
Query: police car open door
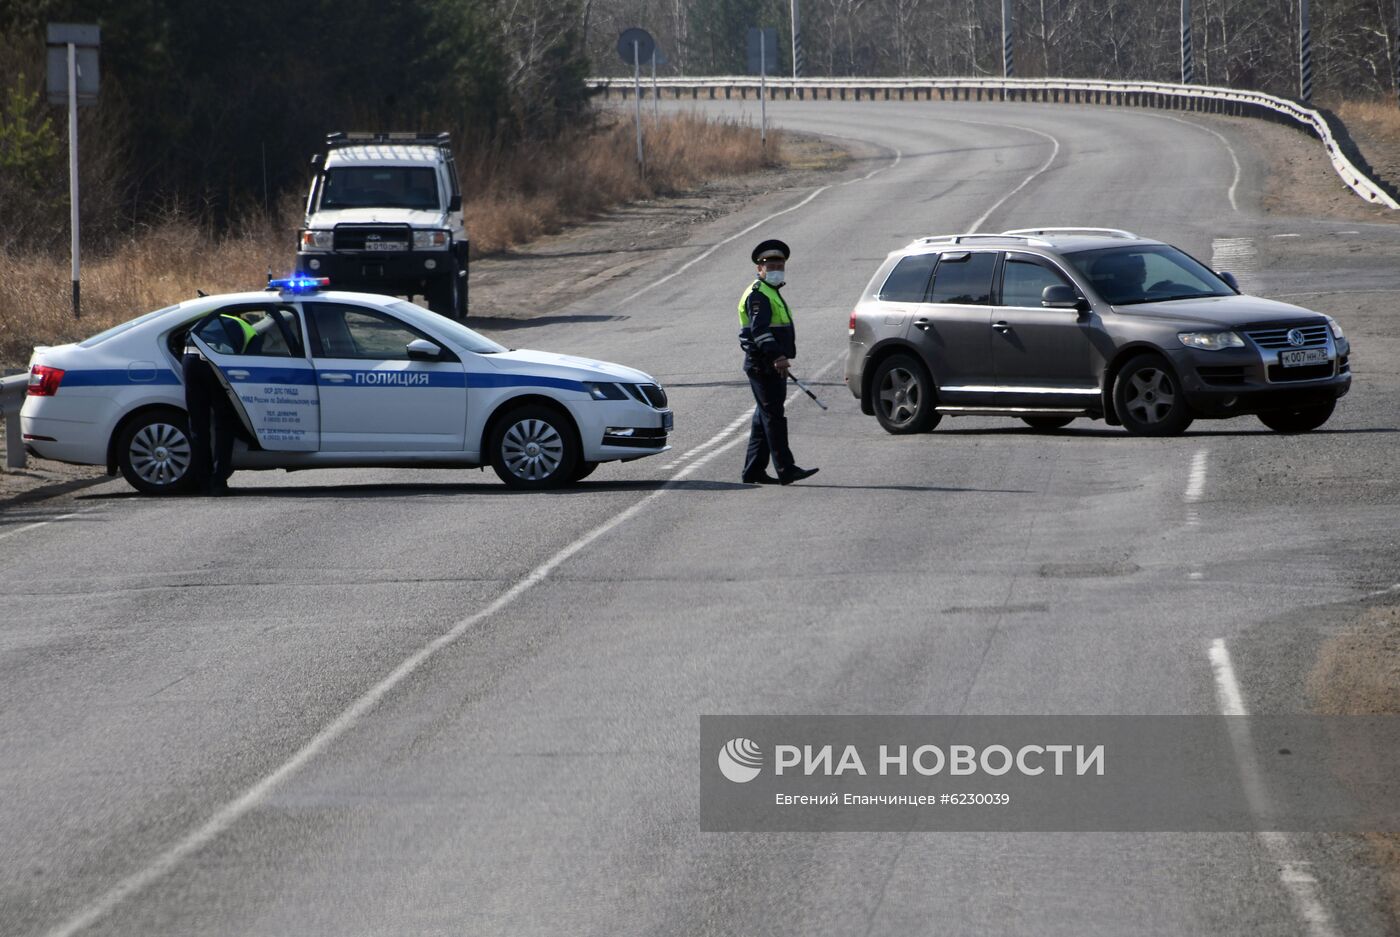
x=259 y=354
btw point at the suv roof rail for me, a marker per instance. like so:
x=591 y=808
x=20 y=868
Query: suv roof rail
x=359 y=137
x=962 y=238
x=1109 y=232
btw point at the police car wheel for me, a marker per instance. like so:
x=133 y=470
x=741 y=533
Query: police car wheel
x=154 y=453
x=534 y=447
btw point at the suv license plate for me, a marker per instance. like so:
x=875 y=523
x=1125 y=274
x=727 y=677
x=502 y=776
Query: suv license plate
x=386 y=246
x=1293 y=359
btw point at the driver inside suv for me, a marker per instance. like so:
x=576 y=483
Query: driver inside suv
x=1119 y=276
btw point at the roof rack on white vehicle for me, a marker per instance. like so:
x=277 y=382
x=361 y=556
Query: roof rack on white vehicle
x=1110 y=232
x=360 y=137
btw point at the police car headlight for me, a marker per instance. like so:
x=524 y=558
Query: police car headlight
x=312 y=240
x=1211 y=341
x=429 y=240
x=602 y=391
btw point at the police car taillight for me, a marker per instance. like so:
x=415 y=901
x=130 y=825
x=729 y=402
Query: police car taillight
x=44 y=381
x=851 y=326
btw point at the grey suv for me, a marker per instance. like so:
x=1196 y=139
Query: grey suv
x=1052 y=324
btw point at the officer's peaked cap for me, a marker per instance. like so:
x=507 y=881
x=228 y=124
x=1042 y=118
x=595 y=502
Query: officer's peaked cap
x=772 y=249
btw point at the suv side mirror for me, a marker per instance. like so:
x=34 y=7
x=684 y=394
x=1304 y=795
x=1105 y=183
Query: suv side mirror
x=420 y=349
x=1229 y=278
x=1060 y=296
x=454 y=203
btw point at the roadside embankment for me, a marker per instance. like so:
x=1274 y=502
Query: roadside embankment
x=513 y=197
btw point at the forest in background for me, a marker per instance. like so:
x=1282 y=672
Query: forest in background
x=210 y=109
x=1238 y=43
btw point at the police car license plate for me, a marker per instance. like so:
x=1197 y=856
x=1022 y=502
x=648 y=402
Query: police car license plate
x=386 y=246
x=668 y=421
x=1293 y=359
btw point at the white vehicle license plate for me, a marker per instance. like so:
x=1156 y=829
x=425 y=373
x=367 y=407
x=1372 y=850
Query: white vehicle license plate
x=386 y=246
x=1293 y=359
x=668 y=421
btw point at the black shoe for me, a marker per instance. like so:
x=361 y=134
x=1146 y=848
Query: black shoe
x=796 y=474
x=762 y=478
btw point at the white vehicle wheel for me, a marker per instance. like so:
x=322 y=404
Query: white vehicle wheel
x=154 y=453
x=534 y=447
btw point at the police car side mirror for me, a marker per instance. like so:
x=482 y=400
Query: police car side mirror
x=455 y=204
x=420 y=349
x=1230 y=280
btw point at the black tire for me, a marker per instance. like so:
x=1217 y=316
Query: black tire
x=903 y=396
x=442 y=297
x=1149 y=398
x=554 y=460
x=583 y=470
x=154 y=452
x=459 y=295
x=1300 y=420
x=1047 y=423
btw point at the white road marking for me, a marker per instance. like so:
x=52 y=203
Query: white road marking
x=1024 y=182
x=233 y=811
x=1239 y=256
x=1196 y=481
x=1293 y=872
x=713 y=440
x=1389 y=590
x=37 y=524
x=1234 y=158
x=1339 y=233
x=1286 y=235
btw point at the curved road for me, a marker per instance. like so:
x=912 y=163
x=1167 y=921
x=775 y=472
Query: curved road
x=382 y=702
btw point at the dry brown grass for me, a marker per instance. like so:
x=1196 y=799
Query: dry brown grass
x=1374 y=125
x=1358 y=674
x=513 y=197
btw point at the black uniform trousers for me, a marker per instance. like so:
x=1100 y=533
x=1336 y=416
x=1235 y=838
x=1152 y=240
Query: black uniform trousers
x=212 y=421
x=768 y=434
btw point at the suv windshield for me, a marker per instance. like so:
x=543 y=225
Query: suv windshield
x=380 y=187
x=1148 y=273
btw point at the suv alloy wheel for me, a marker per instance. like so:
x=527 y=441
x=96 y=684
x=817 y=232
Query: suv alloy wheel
x=904 y=396
x=1149 y=399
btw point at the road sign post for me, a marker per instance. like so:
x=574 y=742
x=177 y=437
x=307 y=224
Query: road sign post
x=1305 y=68
x=796 y=42
x=634 y=46
x=73 y=79
x=1188 y=58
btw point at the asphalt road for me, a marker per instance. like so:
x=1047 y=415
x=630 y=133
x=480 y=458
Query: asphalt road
x=387 y=702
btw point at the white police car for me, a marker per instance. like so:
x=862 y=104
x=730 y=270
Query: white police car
x=322 y=379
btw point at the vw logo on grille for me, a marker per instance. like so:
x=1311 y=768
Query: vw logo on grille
x=1295 y=337
x=375 y=237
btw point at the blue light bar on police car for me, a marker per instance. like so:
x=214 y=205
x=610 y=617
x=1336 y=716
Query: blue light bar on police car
x=299 y=284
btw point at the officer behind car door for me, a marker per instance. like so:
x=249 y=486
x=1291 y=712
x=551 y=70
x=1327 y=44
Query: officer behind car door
x=769 y=342
x=212 y=420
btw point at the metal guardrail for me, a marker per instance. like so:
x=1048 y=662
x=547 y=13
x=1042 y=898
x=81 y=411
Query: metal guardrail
x=1051 y=90
x=12 y=390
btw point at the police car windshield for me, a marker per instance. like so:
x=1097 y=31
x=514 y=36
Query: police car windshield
x=463 y=336
x=380 y=187
x=1147 y=273
x=116 y=330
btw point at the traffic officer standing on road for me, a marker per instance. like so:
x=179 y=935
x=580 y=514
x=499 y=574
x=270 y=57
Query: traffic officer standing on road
x=769 y=342
x=212 y=420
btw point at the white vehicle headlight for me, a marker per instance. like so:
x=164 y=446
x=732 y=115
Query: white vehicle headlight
x=429 y=240
x=314 y=240
x=1336 y=328
x=1211 y=341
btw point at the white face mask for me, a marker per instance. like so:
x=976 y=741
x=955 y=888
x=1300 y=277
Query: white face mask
x=774 y=278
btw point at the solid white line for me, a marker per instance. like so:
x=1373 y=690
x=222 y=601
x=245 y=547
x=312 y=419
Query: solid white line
x=231 y=812
x=1293 y=872
x=1024 y=182
x=37 y=524
x=1196 y=482
x=1235 y=183
x=713 y=440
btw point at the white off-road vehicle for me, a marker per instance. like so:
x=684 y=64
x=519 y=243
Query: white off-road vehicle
x=384 y=215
